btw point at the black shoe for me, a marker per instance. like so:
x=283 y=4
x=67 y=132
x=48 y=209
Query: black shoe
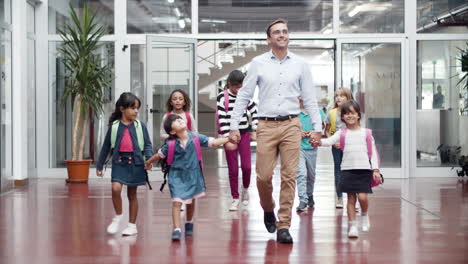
x=188 y=229
x=270 y=221
x=302 y=207
x=311 y=202
x=176 y=234
x=283 y=236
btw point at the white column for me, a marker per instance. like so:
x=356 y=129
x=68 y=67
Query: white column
x=42 y=89
x=409 y=96
x=122 y=58
x=19 y=87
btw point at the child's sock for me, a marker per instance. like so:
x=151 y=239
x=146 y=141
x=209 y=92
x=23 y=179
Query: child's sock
x=178 y=229
x=363 y=213
x=352 y=223
x=189 y=222
x=119 y=216
x=131 y=225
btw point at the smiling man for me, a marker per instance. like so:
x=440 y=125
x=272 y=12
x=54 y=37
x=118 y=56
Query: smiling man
x=281 y=77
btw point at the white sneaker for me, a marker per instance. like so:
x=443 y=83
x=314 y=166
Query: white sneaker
x=365 y=223
x=353 y=231
x=130 y=230
x=234 y=205
x=113 y=227
x=339 y=202
x=245 y=196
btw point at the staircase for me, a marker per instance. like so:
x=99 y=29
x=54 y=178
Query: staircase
x=207 y=82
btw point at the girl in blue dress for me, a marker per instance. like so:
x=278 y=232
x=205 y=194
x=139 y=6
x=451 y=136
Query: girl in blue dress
x=185 y=176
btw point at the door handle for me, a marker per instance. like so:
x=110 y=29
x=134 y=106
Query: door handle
x=153 y=111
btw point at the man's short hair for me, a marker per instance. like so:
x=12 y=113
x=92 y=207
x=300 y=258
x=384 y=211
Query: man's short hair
x=277 y=21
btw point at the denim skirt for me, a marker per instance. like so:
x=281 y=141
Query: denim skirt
x=126 y=172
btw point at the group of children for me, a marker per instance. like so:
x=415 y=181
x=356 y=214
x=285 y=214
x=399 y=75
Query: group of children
x=129 y=145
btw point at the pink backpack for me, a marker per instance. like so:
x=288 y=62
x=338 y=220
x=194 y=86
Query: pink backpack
x=226 y=109
x=165 y=166
x=369 y=149
x=187 y=116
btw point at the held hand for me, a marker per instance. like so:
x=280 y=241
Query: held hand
x=234 y=136
x=148 y=166
x=377 y=177
x=99 y=173
x=305 y=134
x=253 y=136
x=337 y=145
x=230 y=146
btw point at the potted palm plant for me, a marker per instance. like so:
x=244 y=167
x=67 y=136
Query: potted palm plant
x=86 y=79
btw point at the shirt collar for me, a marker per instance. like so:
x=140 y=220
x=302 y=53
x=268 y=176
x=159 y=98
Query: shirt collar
x=289 y=55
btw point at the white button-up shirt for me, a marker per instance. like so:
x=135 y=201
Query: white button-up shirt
x=280 y=83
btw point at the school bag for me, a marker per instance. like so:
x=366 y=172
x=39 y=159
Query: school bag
x=333 y=114
x=369 y=150
x=140 y=139
x=187 y=116
x=226 y=109
x=169 y=159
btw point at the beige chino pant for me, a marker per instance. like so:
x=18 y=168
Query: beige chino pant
x=273 y=138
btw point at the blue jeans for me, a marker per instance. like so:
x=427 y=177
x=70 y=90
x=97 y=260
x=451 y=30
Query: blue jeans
x=337 y=157
x=306 y=174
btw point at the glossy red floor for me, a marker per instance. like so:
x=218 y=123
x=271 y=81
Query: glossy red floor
x=413 y=221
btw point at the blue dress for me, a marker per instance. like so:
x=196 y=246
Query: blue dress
x=185 y=177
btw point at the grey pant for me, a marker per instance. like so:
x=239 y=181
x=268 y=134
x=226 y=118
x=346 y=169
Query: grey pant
x=306 y=174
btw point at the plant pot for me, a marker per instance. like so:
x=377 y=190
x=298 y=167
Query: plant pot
x=78 y=171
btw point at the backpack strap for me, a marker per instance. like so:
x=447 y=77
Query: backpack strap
x=170 y=151
x=189 y=121
x=333 y=114
x=115 y=128
x=139 y=133
x=369 y=145
x=342 y=138
x=196 y=141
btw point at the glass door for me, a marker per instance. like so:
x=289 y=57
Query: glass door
x=373 y=71
x=171 y=65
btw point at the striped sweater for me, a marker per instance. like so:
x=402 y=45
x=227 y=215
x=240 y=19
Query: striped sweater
x=248 y=122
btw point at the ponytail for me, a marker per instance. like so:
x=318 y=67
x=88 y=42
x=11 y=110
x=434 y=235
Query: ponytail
x=125 y=100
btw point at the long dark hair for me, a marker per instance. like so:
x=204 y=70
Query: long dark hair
x=168 y=124
x=125 y=100
x=347 y=109
x=187 y=105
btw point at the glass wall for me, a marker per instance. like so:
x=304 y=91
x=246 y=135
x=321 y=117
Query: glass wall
x=159 y=16
x=61 y=126
x=442 y=105
x=442 y=16
x=59 y=12
x=228 y=16
x=373 y=73
x=6 y=139
x=369 y=16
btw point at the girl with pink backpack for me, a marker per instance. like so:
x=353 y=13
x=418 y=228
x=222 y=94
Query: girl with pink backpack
x=178 y=103
x=360 y=165
x=247 y=126
x=185 y=176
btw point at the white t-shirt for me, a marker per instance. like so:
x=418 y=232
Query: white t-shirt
x=355 y=155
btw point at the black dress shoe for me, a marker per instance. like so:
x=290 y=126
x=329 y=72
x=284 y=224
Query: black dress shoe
x=270 y=221
x=283 y=236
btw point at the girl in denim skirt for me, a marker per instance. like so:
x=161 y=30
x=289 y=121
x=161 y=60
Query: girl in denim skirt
x=129 y=143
